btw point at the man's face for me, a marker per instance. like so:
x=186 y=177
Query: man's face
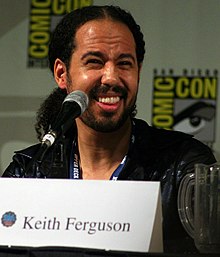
x=104 y=66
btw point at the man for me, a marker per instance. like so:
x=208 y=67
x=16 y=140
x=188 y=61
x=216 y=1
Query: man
x=99 y=50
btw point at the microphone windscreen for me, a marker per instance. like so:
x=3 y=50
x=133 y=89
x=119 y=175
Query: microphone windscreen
x=79 y=97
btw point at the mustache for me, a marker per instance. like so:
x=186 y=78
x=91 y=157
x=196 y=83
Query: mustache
x=104 y=89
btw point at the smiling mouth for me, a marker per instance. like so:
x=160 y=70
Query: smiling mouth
x=107 y=95
x=109 y=100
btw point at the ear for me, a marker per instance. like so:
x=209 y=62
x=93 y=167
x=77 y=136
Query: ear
x=60 y=74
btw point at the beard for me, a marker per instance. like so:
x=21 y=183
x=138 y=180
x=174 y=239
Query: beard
x=106 y=121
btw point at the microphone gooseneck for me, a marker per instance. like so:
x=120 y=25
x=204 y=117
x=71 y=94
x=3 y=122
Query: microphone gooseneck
x=73 y=106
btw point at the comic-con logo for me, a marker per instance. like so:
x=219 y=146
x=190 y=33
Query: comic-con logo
x=8 y=219
x=186 y=102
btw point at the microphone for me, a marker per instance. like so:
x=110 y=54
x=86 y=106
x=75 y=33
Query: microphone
x=73 y=106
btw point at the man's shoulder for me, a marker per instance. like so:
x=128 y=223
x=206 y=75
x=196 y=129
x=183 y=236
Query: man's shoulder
x=164 y=147
x=161 y=140
x=158 y=136
x=28 y=151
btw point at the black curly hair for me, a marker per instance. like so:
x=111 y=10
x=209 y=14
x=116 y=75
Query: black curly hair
x=62 y=45
x=48 y=111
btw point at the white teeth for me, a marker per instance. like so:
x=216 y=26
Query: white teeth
x=109 y=100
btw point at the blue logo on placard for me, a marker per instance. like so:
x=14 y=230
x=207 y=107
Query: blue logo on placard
x=8 y=219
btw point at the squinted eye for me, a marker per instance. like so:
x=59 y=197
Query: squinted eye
x=95 y=61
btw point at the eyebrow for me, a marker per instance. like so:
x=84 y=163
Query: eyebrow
x=129 y=56
x=100 y=54
x=93 y=53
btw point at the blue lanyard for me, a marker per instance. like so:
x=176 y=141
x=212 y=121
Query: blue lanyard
x=75 y=170
x=118 y=170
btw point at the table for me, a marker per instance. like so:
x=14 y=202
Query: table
x=81 y=252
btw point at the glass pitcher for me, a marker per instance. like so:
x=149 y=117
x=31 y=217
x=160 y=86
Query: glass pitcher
x=199 y=206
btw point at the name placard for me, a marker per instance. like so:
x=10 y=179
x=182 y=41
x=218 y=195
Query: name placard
x=109 y=215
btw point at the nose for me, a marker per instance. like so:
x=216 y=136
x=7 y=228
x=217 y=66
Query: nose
x=110 y=74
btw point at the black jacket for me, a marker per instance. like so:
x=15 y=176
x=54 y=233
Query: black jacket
x=157 y=155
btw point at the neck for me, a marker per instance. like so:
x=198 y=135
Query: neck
x=101 y=153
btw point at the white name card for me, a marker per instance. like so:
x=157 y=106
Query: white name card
x=109 y=215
